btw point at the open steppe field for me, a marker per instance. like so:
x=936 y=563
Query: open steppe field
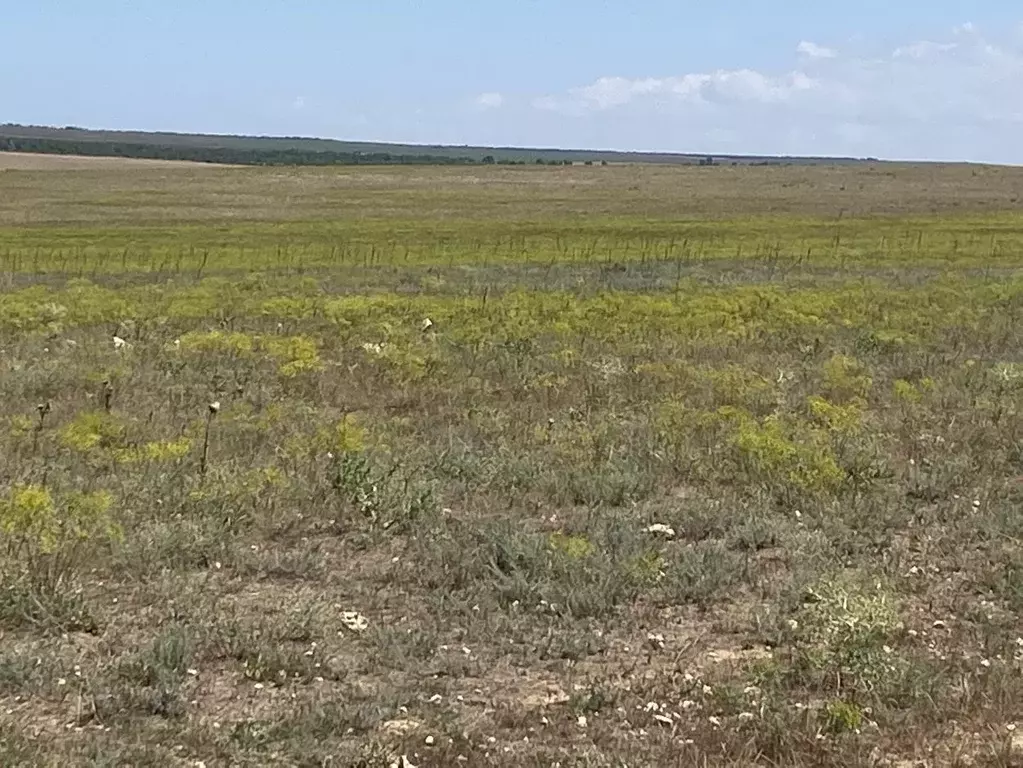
x=588 y=466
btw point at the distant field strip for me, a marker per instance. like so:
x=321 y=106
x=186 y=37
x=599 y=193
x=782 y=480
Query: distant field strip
x=782 y=241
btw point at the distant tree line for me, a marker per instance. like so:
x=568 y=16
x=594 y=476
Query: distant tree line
x=224 y=155
x=297 y=150
x=490 y=160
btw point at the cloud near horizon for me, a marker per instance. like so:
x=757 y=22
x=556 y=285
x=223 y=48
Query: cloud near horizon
x=490 y=100
x=952 y=98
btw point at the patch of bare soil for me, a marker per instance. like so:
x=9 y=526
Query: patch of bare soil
x=25 y=161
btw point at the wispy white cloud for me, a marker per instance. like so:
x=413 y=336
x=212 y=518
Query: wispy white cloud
x=814 y=51
x=955 y=97
x=298 y=103
x=923 y=49
x=722 y=86
x=492 y=100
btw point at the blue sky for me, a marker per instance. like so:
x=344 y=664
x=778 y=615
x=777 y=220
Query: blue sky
x=940 y=79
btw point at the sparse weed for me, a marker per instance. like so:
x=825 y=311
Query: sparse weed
x=44 y=540
x=842 y=637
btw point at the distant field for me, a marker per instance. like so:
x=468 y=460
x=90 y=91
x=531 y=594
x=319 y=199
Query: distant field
x=30 y=162
x=601 y=466
x=153 y=193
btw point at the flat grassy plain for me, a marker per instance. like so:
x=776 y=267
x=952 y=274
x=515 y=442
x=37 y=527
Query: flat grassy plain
x=582 y=466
